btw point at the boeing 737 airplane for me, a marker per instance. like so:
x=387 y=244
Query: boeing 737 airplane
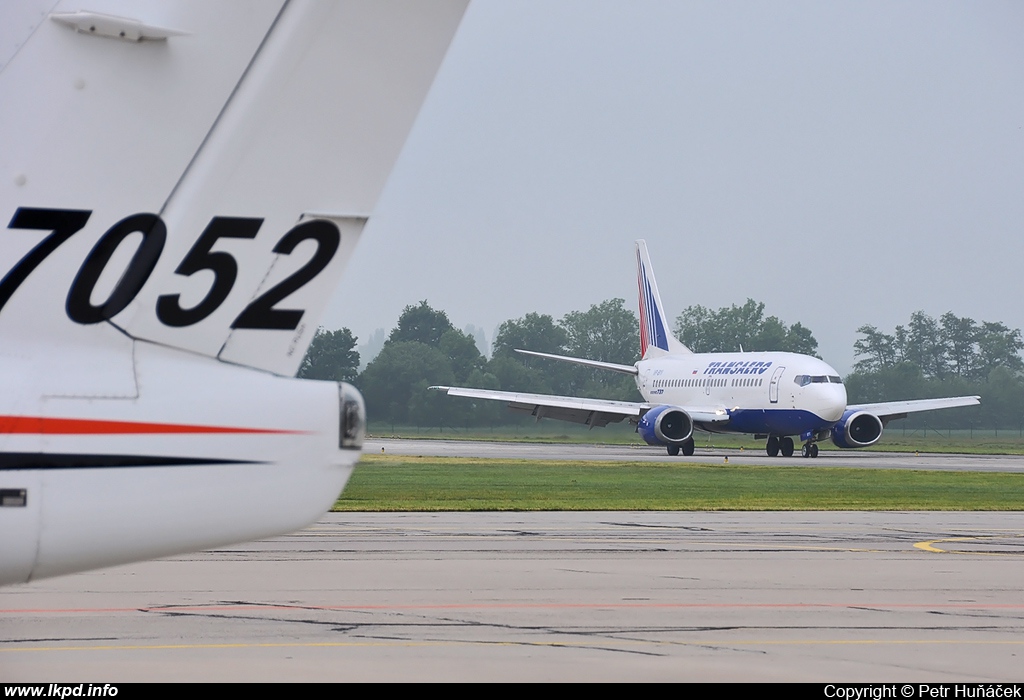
x=182 y=183
x=773 y=395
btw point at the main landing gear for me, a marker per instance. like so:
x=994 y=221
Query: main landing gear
x=778 y=445
x=784 y=446
x=686 y=448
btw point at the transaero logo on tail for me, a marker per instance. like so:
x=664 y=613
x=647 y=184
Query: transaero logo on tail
x=758 y=367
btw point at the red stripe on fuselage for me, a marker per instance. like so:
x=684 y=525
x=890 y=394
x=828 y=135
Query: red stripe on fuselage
x=36 y=425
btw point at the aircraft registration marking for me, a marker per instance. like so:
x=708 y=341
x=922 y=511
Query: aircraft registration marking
x=261 y=313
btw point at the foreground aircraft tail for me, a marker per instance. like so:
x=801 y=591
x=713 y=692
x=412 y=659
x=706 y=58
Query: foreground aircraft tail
x=181 y=189
x=252 y=142
x=654 y=328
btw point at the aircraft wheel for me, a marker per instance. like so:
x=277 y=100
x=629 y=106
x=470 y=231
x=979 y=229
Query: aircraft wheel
x=786 y=446
x=772 y=448
x=814 y=450
x=805 y=451
x=673 y=450
x=688 y=448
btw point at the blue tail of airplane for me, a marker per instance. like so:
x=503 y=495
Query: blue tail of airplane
x=654 y=328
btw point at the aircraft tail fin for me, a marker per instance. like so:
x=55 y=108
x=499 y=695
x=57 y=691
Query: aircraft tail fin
x=245 y=156
x=654 y=328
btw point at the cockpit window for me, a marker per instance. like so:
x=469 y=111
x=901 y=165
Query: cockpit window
x=805 y=379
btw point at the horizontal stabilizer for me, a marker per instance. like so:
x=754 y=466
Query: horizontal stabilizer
x=624 y=369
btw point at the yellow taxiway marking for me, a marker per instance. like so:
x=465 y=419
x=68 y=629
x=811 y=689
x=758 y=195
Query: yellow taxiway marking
x=929 y=545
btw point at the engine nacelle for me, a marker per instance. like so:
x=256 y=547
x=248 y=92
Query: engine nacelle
x=665 y=425
x=857 y=429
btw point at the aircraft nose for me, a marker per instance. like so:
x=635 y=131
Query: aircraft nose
x=834 y=404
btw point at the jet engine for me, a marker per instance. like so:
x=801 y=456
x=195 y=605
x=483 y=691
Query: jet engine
x=857 y=429
x=665 y=425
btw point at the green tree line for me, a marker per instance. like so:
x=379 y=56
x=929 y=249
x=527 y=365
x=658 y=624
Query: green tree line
x=948 y=356
x=927 y=357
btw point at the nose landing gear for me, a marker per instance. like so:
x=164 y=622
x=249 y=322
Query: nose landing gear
x=809 y=449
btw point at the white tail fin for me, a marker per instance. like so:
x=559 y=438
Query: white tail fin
x=654 y=328
x=236 y=158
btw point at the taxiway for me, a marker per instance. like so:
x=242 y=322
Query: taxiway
x=595 y=596
x=645 y=453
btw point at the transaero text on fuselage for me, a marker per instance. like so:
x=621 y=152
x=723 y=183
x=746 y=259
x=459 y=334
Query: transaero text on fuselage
x=758 y=367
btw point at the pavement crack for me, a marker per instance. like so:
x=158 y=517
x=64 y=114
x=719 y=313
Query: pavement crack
x=652 y=526
x=40 y=640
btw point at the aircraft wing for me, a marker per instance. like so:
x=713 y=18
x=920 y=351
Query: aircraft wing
x=593 y=412
x=892 y=410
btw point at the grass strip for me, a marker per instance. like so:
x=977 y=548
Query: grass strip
x=397 y=483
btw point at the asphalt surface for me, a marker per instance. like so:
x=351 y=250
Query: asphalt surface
x=644 y=453
x=827 y=597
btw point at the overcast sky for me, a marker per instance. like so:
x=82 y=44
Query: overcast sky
x=843 y=162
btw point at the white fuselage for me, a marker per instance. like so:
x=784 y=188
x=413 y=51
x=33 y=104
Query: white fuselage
x=764 y=392
x=195 y=453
